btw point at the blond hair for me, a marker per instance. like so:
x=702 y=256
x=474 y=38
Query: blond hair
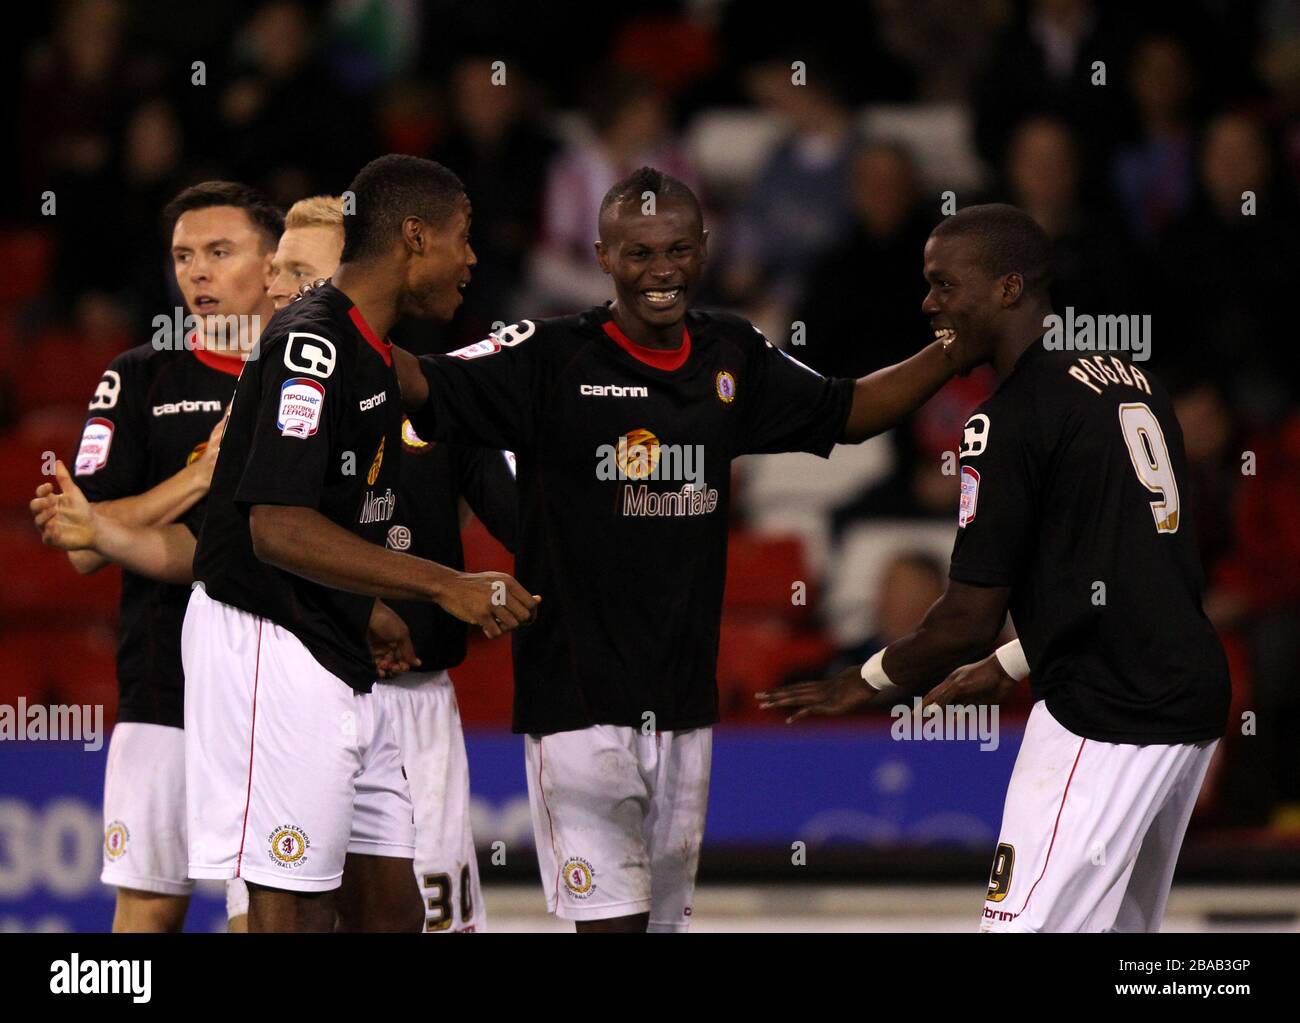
x=317 y=211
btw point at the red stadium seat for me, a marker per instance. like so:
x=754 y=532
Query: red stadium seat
x=60 y=665
x=62 y=368
x=762 y=572
x=485 y=683
x=755 y=654
x=21 y=459
x=26 y=255
x=41 y=585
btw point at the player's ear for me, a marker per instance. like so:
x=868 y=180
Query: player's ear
x=413 y=234
x=704 y=246
x=1013 y=286
x=602 y=256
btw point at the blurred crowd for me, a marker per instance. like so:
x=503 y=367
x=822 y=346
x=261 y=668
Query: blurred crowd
x=1158 y=144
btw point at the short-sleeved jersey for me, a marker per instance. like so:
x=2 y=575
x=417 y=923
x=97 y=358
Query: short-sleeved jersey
x=150 y=416
x=316 y=423
x=434 y=477
x=624 y=467
x=1070 y=495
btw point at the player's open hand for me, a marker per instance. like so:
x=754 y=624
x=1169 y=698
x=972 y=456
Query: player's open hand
x=838 y=695
x=207 y=460
x=63 y=516
x=982 y=682
x=493 y=601
x=390 y=642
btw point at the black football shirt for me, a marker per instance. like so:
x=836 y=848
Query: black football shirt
x=316 y=423
x=624 y=468
x=434 y=477
x=1070 y=495
x=150 y=416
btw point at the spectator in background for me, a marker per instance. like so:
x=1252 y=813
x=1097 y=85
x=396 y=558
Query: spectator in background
x=1094 y=268
x=800 y=205
x=1225 y=268
x=72 y=107
x=1045 y=65
x=922 y=484
x=1212 y=445
x=1254 y=595
x=631 y=127
x=862 y=306
x=500 y=155
x=1154 y=175
x=910 y=583
x=278 y=121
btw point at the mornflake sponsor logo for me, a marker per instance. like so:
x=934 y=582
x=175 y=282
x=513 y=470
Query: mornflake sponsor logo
x=374 y=401
x=377 y=509
x=73 y=976
x=613 y=391
x=642 y=501
x=83 y=723
x=172 y=407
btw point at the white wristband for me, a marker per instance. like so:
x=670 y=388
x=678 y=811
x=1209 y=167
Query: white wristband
x=1012 y=658
x=873 y=673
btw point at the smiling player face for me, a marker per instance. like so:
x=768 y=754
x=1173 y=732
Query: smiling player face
x=436 y=281
x=962 y=299
x=305 y=254
x=655 y=261
x=222 y=262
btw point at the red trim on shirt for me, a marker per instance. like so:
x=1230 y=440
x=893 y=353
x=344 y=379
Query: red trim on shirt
x=659 y=358
x=384 y=348
x=221 y=363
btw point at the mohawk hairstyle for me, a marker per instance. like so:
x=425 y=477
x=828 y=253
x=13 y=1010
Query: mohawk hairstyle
x=647 y=179
x=265 y=215
x=1007 y=240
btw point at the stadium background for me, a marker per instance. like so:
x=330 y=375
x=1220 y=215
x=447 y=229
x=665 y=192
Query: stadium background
x=819 y=199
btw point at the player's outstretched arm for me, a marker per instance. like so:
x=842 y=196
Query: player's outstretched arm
x=158 y=505
x=881 y=399
x=962 y=625
x=68 y=521
x=303 y=541
x=411 y=381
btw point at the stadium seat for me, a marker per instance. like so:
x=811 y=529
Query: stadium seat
x=485 y=683
x=41 y=585
x=755 y=654
x=26 y=255
x=60 y=368
x=60 y=665
x=762 y=573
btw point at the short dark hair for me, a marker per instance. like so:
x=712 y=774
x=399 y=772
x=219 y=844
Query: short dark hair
x=388 y=190
x=647 y=179
x=265 y=215
x=1007 y=239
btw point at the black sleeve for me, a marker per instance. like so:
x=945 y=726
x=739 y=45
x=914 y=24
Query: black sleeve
x=112 y=459
x=998 y=511
x=297 y=418
x=482 y=394
x=791 y=407
x=487 y=482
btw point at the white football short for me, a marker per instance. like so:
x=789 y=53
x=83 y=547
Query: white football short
x=1091 y=831
x=618 y=818
x=288 y=769
x=144 y=810
x=422 y=709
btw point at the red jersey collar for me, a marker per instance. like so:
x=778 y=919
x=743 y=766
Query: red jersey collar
x=221 y=363
x=659 y=358
x=384 y=348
